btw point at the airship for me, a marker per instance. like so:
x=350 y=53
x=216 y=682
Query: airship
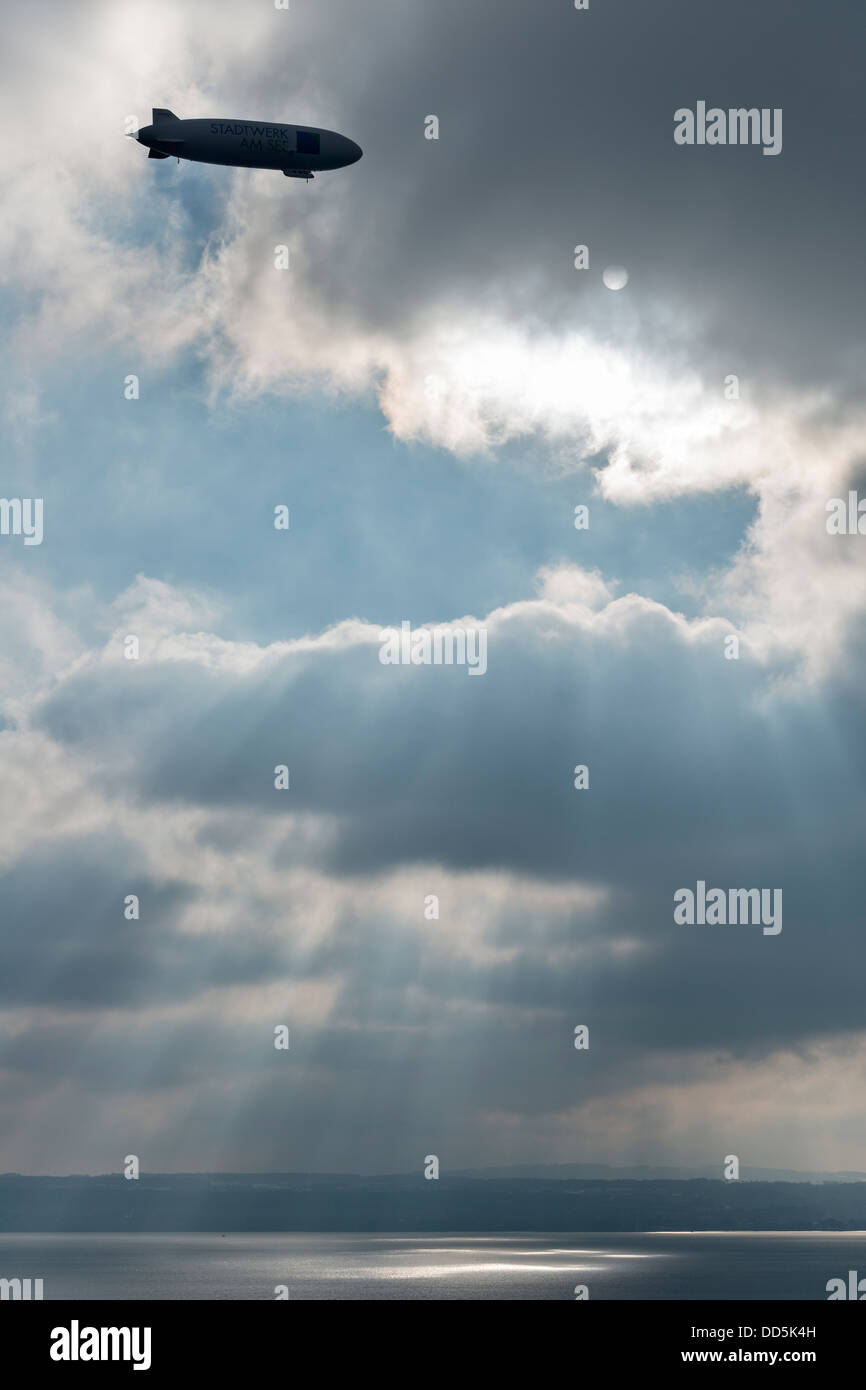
x=299 y=150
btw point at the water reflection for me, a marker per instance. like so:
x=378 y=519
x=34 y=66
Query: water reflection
x=486 y=1255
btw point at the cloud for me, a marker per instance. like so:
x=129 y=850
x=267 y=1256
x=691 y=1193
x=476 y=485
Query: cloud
x=436 y=280
x=696 y=778
x=438 y=275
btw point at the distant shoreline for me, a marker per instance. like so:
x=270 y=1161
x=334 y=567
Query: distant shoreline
x=347 y=1203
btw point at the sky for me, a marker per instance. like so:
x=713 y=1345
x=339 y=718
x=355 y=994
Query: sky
x=431 y=388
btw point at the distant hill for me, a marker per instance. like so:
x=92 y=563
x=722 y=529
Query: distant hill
x=347 y=1202
x=643 y=1173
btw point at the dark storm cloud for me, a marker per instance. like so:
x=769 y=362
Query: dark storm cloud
x=699 y=770
x=431 y=763
x=557 y=128
x=420 y=1043
x=64 y=938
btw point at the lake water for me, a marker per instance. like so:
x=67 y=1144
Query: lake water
x=714 y=1265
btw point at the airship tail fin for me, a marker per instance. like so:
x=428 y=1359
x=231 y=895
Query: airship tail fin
x=160 y=114
x=156 y=154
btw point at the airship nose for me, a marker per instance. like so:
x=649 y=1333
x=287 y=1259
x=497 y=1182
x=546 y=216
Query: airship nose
x=355 y=152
